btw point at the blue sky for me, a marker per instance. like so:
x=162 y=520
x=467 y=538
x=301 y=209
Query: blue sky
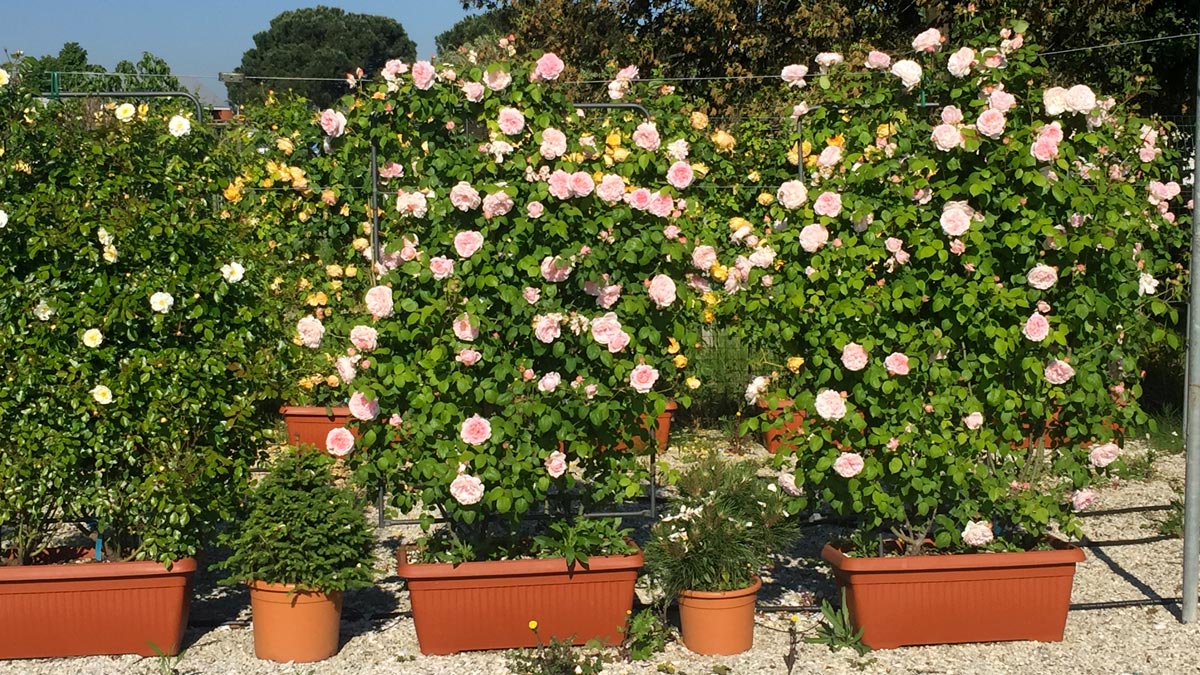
x=198 y=39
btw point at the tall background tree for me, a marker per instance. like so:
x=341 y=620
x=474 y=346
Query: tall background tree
x=77 y=74
x=319 y=42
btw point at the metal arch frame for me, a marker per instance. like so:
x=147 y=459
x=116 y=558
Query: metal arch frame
x=131 y=94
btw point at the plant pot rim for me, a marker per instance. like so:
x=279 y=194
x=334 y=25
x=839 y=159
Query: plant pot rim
x=1063 y=552
x=716 y=595
x=338 y=410
x=84 y=569
x=271 y=587
x=523 y=566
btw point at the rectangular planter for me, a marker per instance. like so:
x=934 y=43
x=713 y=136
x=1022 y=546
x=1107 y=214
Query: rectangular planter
x=308 y=425
x=91 y=608
x=488 y=605
x=944 y=599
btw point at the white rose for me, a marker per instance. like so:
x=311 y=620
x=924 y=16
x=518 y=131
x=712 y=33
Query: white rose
x=125 y=112
x=43 y=311
x=161 y=302
x=1054 y=100
x=908 y=71
x=233 y=272
x=3 y=77
x=179 y=126
x=1147 y=284
x=92 y=337
x=3 y=220
x=102 y=394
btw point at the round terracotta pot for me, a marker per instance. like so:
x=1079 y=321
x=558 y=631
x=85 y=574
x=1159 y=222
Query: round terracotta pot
x=778 y=437
x=662 y=427
x=291 y=625
x=718 y=622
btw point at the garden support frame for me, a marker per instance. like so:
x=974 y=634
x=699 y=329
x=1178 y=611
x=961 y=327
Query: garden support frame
x=1191 y=499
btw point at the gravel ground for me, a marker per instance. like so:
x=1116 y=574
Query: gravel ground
x=378 y=634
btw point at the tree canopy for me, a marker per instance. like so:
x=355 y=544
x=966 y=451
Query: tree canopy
x=318 y=42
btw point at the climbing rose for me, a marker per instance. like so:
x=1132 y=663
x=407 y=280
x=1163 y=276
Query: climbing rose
x=1058 y=372
x=1104 y=454
x=973 y=421
x=854 y=357
x=646 y=136
x=946 y=137
x=423 y=75
x=556 y=464
x=643 y=378
x=441 y=267
x=848 y=464
x=464 y=197
x=977 y=533
x=908 y=71
x=549 y=67
x=830 y=405
x=662 y=291
x=463 y=329
x=878 y=60
x=961 y=62
x=511 y=121
x=333 y=122
x=1041 y=277
x=896 y=363
x=928 y=41
x=363 y=408
x=991 y=123
x=339 y=442
x=311 y=330
x=1036 y=327
x=466 y=489
x=364 y=338
x=680 y=175
x=792 y=194
x=475 y=430
x=794 y=74
x=554 y=143
x=467 y=243
x=549 y=383
x=828 y=204
x=1081 y=499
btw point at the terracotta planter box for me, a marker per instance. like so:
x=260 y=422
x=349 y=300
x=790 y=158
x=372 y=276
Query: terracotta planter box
x=488 y=605
x=308 y=425
x=88 y=609
x=944 y=599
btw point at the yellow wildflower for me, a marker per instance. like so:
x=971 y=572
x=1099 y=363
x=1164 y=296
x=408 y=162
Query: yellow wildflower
x=533 y=625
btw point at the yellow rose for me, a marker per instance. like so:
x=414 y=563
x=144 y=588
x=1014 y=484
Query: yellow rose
x=838 y=140
x=709 y=298
x=672 y=346
x=345 y=210
x=681 y=362
x=738 y=222
x=723 y=140
x=351 y=271
x=317 y=299
x=699 y=120
x=709 y=316
x=336 y=284
x=233 y=193
x=304 y=382
x=793 y=155
x=766 y=199
x=620 y=154
x=285 y=145
x=754 y=176
x=613 y=139
x=361 y=244
x=334 y=271
x=885 y=130
x=795 y=363
x=701 y=170
x=692 y=383
x=719 y=272
x=332 y=381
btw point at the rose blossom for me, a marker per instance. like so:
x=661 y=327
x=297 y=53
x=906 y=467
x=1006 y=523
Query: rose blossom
x=547 y=327
x=468 y=357
x=908 y=71
x=830 y=156
x=441 y=266
x=977 y=533
x=952 y=115
x=467 y=243
x=1002 y=100
x=646 y=136
x=549 y=382
x=828 y=204
x=794 y=74
x=475 y=430
x=662 y=291
x=955 y=221
x=531 y=294
x=813 y=237
x=464 y=197
x=605 y=328
x=957 y=247
x=1036 y=327
x=363 y=408
x=618 y=342
x=364 y=338
x=854 y=357
x=947 y=137
x=792 y=194
x=1054 y=100
x=463 y=329
x=827 y=60
x=552 y=271
x=639 y=199
x=473 y=91
x=339 y=442
x=535 y=209
x=311 y=330
x=497 y=204
x=1044 y=149
x=680 y=175
x=554 y=143
x=643 y=378
x=556 y=464
x=848 y=464
x=559 y=184
x=961 y=62
x=830 y=405
x=333 y=122
x=1080 y=99
x=1081 y=499
x=661 y=205
x=346 y=369
x=466 y=489
x=877 y=60
x=423 y=75
x=896 y=363
x=1104 y=454
x=1058 y=372
x=549 y=67
x=991 y=123
x=162 y=302
x=1041 y=277
x=973 y=421
x=611 y=188
x=678 y=149
x=510 y=121
x=497 y=79
x=581 y=184
x=703 y=257
x=1147 y=284
x=414 y=203
x=928 y=41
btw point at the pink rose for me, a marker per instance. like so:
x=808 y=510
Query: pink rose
x=878 y=60
x=581 y=184
x=464 y=197
x=339 y=442
x=896 y=363
x=1041 y=277
x=671 y=232
x=611 y=188
x=559 y=184
x=1148 y=154
x=1043 y=306
x=423 y=75
x=1104 y=454
x=466 y=489
x=618 y=342
x=497 y=79
x=468 y=357
x=828 y=204
x=1081 y=499
x=1052 y=131
x=412 y=203
x=848 y=464
x=1080 y=99
x=813 y=237
x=955 y=221
x=364 y=337
x=1036 y=327
x=973 y=421
x=703 y=257
x=549 y=67
x=661 y=204
x=1002 y=100
x=977 y=533
x=553 y=271
x=639 y=199
x=475 y=430
x=379 y=301
x=510 y=121
x=605 y=328
x=333 y=122
x=528 y=374
x=928 y=41
x=556 y=464
x=957 y=247
x=1058 y=372
x=362 y=408
x=608 y=296
x=463 y=329
x=646 y=136
x=549 y=382
x=311 y=331
x=908 y=71
x=854 y=357
x=662 y=291
x=643 y=378
x=467 y=243
x=952 y=115
x=473 y=91
x=391 y=170
x=893 y=245
x=946 y=137
x=395 y=421
x=794 y=74
x=991 y=123
x=830 y=156
x=1044 y=149
x=531 y=294
x=1054 y=100
x=792 y=194
x=830 y=405
x=961 y=61
x=346 y=369
x=535 y=209
x=441 y=267
x=554 y=143
x=497 y=204
x=788 y=483
x=547 y=327
x=680 y=175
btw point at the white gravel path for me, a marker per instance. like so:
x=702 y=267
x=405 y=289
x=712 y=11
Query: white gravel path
x=1138 y=640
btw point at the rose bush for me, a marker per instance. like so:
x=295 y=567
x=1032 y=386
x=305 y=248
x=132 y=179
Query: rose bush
x=128 y=326
x=971 y=282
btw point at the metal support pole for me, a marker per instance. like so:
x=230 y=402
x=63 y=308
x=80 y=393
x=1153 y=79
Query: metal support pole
x=375 y=252
x=1191 y=500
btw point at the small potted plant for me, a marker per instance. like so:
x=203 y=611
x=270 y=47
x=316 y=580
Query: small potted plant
x=710 y=547
x=303 y=542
